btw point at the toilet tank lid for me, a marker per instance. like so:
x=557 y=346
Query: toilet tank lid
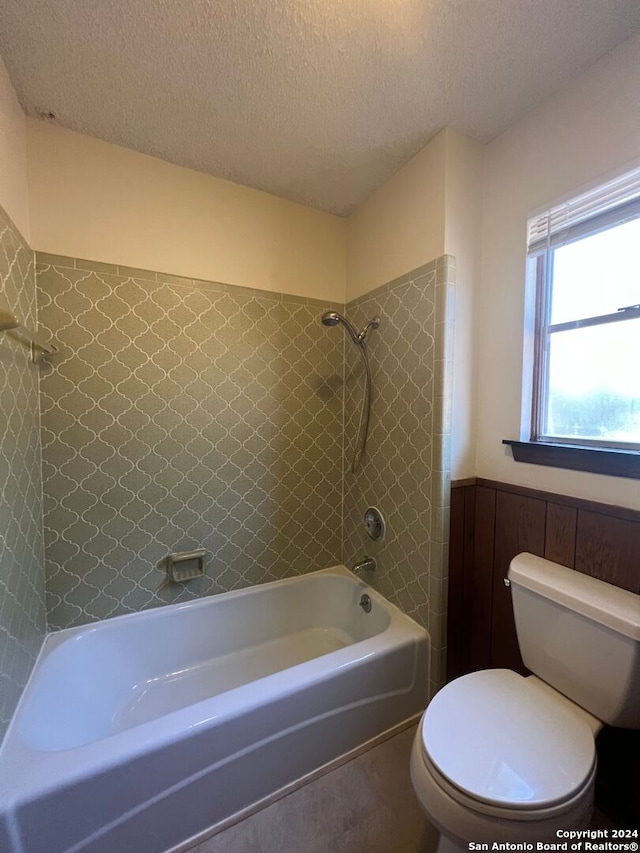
x=615 y=608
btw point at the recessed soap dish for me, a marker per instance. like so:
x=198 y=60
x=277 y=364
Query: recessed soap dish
x=184 y=566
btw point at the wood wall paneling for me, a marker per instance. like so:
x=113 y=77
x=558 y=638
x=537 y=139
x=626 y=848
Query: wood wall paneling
x=469 y=558
x=609 y=549
x=560 y=536
x=479 y=597
x=457 y=626
x=520 y=526
x=491 y=523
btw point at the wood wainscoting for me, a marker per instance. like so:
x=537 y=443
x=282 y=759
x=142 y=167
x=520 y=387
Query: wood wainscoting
x=492 y=522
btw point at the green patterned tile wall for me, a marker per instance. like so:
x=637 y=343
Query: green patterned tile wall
x=22 y=615
x=405 y=471
x=179 y=415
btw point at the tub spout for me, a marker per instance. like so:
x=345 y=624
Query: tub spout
x=367 y=564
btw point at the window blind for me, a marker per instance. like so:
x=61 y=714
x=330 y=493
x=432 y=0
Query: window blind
x=610 y=204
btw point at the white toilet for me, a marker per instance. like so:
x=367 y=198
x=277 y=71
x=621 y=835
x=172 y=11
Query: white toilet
x=500 y=757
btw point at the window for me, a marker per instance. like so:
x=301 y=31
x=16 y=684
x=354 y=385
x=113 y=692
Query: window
x=585 y=258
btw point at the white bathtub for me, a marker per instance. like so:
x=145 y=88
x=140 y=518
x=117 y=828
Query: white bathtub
x=146 y=730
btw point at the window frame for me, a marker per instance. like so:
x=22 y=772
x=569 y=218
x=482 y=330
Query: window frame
x=599 y=209
x=543 y=331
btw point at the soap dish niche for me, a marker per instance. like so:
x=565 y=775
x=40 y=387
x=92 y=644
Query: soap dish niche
x=184 y=566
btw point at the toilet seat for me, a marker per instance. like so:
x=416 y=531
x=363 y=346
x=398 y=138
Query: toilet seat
x=501 y=747
x=507 y=812
x=461 y=819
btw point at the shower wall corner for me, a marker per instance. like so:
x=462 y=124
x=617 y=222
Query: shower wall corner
x=406 y=470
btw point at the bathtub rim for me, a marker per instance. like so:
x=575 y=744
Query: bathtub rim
x=55 y=638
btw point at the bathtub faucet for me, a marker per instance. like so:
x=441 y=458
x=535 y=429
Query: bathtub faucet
x=367 y=564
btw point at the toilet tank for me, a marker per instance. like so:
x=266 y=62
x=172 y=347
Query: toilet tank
x=581 y=636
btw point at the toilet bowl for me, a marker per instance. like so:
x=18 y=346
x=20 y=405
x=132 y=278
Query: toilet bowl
x=496 y=758
x=502 y=757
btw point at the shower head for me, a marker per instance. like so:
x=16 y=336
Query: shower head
x=331 y=318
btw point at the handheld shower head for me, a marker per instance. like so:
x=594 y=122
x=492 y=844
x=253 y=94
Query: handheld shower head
x=332 y=318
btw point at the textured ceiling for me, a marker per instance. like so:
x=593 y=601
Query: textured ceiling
x=319 y=101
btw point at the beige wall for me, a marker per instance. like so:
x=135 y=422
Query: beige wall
x=431 y=206
x=401 y=225
x=98 y=201
x=586 y=131
x=463 y=218
x=13 y=156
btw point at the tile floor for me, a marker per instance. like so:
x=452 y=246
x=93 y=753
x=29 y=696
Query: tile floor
x=364 y=806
